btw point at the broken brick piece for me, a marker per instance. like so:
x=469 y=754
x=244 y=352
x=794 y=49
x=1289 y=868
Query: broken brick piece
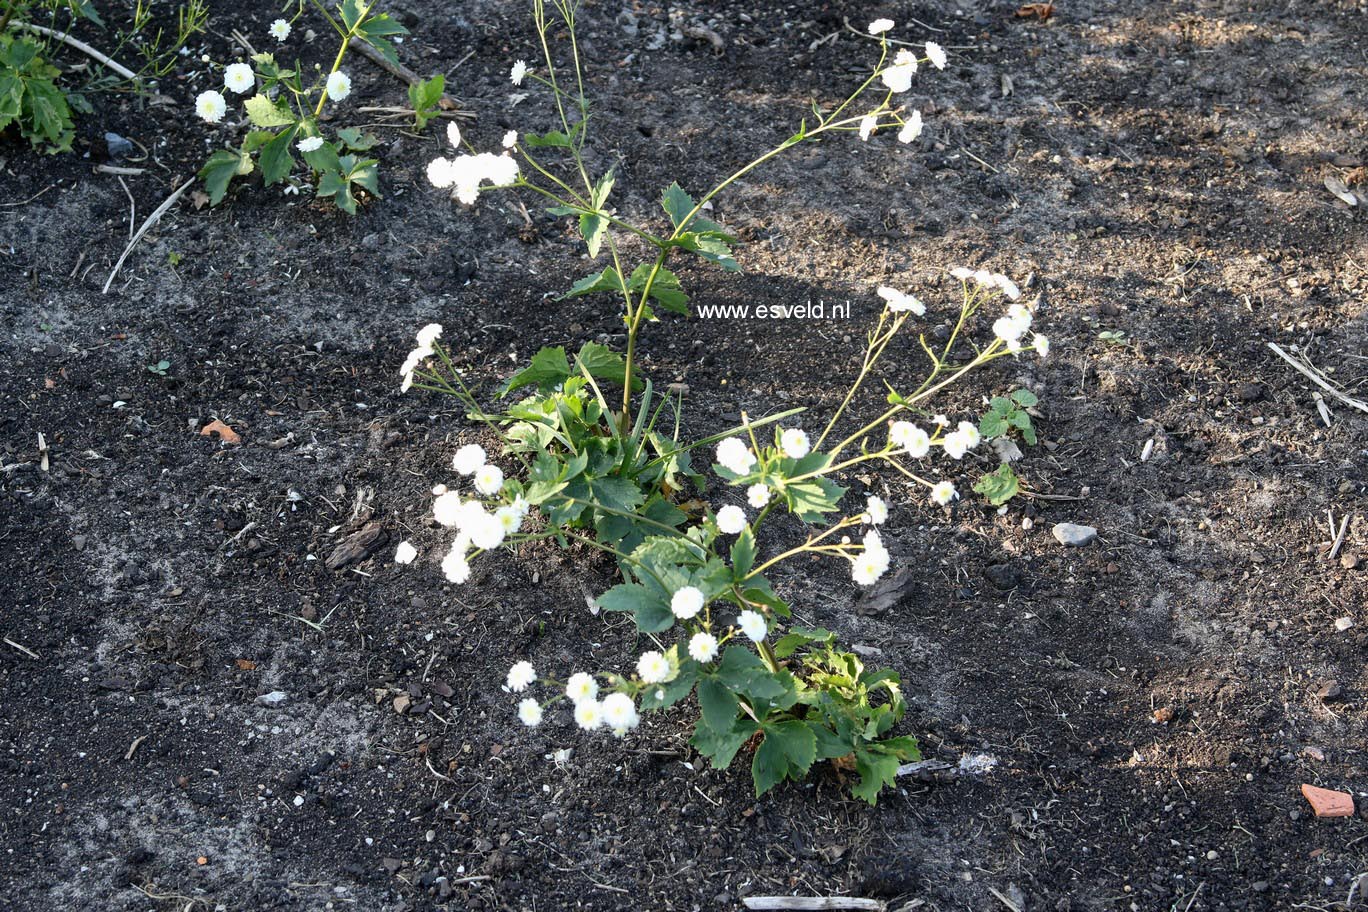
x=1328 y=803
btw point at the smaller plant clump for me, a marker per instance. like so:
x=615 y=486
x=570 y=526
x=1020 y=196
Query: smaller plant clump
x=38 y=100
x=285 y=105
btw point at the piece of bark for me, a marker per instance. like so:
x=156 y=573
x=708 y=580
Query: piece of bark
x=398 y=70
x=812 y=903
x=357 y=546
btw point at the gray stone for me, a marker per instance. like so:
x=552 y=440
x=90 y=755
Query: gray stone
x=1073 y=535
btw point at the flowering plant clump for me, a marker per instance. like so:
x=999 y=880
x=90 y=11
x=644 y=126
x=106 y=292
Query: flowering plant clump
x=592 y=453
x=700 y=586
x=285 y=112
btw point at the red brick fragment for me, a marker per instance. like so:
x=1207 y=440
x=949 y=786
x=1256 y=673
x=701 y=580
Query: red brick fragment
x=1328 y=803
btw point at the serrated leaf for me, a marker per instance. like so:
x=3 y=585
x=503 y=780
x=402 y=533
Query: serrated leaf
x=743 y=554
x=1000 y=486
x=550 y=139
x=875 y=771
x=787 y=752
x=265 y=113
x=355 y=140
x=219 y=171
x=677 y=204
x=719 y=704
x=798 y=637
x=720 y=747
x=593 y=228
x=548 y=369
x=603 y=363
x=607 y=280
x=424 y=97
x=277 y=159
x=811 y=499
x=665 y=288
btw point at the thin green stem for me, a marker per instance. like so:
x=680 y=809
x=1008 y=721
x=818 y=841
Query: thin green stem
x=347 y=36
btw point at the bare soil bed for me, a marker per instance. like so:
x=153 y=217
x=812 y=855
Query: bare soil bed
x=1154 y=701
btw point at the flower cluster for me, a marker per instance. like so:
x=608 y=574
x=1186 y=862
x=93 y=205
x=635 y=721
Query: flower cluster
x=464 y=174
x=427 y=340
x=286 y=114
x=479 y=525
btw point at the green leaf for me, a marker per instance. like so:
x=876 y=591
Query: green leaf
x=875 y=771
x=798 y=637
x=593 y=228
x=719 y=704
x=324 y=158
x=1000 y=486
x=366 y=174
x=45 y=116
x=603 y=188
x=265 y=113
x=742 y=671
x=351 y=12
x=548 y=369
x=424 y=97
x=664 y=288
x=720 y=747
x=809 y=500
x=648 y=606
x=551 y=139
x=607 y=280
x=991 y=425
x=1025 y=398
x=277 y=159
x=220 y=169
x=355 y=140
x=333 y=184
x=603 y=363
x=788 y=751
x=710 y=246
x=743 y=554
x=665 y=695
x=676 y=203
x=829 y=744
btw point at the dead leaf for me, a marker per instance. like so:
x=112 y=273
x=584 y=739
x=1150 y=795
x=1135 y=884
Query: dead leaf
x=221 y=430
x=246 y=665
x=1336 y=186
x=1041 y=11
x=199 y=199
x=401 y=703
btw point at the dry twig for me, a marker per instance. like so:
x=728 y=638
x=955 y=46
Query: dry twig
x=81 y=46
x=146 y=226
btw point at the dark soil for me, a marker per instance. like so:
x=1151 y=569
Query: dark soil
x=1152 y=699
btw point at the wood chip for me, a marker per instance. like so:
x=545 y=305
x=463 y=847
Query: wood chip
x=1337 y=187
x=357 y=546
x=809 y=903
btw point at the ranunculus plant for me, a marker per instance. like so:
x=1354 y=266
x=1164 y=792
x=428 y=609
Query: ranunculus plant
x=591 y=453
x=701 y=586
x=285 y=105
